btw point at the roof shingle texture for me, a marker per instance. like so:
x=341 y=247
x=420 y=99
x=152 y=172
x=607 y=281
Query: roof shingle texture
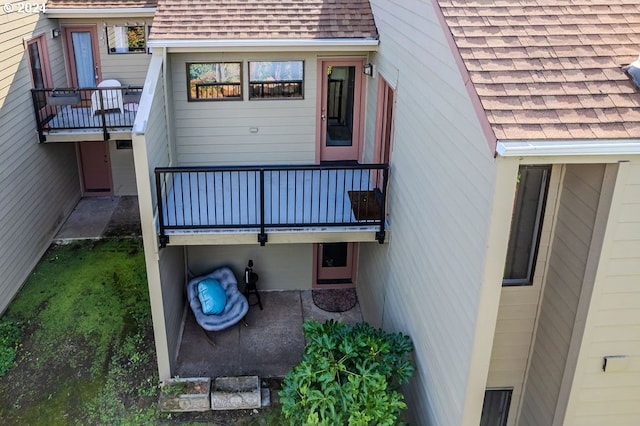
x=99 y=4
x=263 y=19
x=551 y=69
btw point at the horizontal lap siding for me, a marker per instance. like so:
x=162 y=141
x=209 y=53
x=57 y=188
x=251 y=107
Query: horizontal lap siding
x=219 y=132
x=613 y=326
x=127 y=68
x=517 y=316
x=426 y=281
x=279 y=266
x=569 y=253
x=39 y=184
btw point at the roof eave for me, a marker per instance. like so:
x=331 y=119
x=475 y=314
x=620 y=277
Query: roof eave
x=124 y=12
x=540 y=148
x=300 y=44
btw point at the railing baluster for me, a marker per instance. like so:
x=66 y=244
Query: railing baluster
x=262 y=237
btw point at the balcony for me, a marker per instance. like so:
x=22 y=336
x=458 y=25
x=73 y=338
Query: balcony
x=66 y=115
x=249 y=203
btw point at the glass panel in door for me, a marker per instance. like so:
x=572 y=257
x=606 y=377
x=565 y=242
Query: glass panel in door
x=83 y=58
x=335 y=263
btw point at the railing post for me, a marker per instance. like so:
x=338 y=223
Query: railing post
x=103 y=114
x=162 y=237
x=262 y=236
x=380 y=235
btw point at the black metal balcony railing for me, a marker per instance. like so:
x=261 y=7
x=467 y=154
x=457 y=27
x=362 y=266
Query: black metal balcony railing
x=102 y=109
x=270 y=197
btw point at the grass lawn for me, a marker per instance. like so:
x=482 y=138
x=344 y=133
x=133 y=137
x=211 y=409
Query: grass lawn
x=76 y=345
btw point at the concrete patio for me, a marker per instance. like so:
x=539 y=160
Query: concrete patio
x=269 y=346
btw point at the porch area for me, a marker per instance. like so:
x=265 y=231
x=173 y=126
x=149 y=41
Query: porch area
x=85 y=114
x=266 y=200
x=269 y=346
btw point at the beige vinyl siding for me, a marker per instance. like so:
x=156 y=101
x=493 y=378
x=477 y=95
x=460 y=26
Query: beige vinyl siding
x=280 y=266
x=172 y=278
x=220 y=132
x=151 y=150
x=572 y=240
x=122 y=170
x=427 y=281
x=127 y=68
x=39 y=185
x=517 y=314
x=613 y=324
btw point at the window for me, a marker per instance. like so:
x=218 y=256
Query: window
x=495 y=408
x=126 y=39
x=526 y=224
x=124 y=144
x=39 y=67
x=214 y=81
x=276 y=80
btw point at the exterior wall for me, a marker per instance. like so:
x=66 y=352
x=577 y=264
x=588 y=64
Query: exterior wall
x=128 y=68
x=39 y=184
x=220 y=132
x=613 y=324
x=150 y=150
x=173 y=285
x=428 y=280
x=280 y=266
x=122 y=170
x=517 y=313
x=572 y=241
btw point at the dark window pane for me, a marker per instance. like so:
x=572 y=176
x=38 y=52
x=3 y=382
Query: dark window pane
x=526 y=223
x=495 y=408
x=334 y=255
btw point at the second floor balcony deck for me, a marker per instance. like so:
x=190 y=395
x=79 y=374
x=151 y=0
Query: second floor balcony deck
x=67 y=115
x=255 y=202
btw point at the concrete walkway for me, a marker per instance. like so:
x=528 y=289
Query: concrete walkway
x=269 y=346
x=98 y=217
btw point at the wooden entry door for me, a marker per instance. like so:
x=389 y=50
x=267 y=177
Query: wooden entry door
x=96 y=168
x=339 y=122
x=83 y=56
x=335 y=265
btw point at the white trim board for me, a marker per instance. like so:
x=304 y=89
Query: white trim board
x=568 y=147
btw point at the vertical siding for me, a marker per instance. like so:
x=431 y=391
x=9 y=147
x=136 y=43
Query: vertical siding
x=571 y=244
x=39 y=184
x=280 y=266
x=220 y=132
x=517 y=314
x=128 y=68
x=613 y=324
x=427 y=280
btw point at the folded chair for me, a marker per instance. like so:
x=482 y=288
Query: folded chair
x=236 y=306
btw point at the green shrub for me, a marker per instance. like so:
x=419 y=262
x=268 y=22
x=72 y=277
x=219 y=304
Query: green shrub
x=349 y=375
x=9 y=342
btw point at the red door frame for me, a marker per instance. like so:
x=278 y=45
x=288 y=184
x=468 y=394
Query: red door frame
x=339 y=153
x=348 y=272
x=71 y=65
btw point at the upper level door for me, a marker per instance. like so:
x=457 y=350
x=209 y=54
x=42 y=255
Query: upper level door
x=340 y=109
x=40 y=70
x=83 y=56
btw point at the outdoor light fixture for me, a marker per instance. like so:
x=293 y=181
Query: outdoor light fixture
x=368 y=70
x=55 y=32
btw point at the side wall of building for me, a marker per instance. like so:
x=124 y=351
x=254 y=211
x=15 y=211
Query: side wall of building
x=280 y=266
x=39 y=183
x=572 y=242
x=613 y=323
x=427 y=281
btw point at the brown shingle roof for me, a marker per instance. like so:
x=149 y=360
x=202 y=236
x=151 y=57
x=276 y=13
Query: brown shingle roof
x=551 y=69
x=263 y=19
x=99 y=4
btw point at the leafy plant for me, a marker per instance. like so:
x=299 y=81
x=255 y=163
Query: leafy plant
x=349 y=375
x=9 y=341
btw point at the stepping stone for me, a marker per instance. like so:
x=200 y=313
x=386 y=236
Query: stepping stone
x=236 y=393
